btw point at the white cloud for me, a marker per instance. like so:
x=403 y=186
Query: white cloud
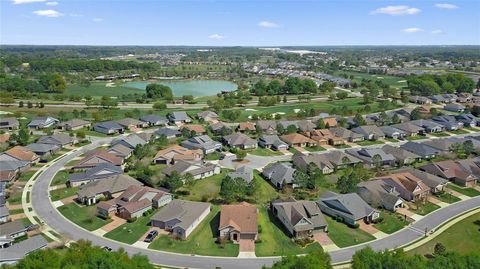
x=437 y=32
x=97 y=19
x=396 y=10
x=412 y=30
x=216 y=37
x=48 y=13
x=52 y=4
x=267 y=24
x=18 y=2
x=446 y=6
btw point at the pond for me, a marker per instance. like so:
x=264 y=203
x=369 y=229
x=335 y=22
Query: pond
x=189 y=87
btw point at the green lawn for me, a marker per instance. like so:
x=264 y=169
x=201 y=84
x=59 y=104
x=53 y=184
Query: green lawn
x=63 y=193
x=391 y=139
x=344 y=146
x=274 y=241
x=314 y=149
x=60 y=178
x=424 y=209
x=463 y=237
x=475 y=129
x=417 y=137
x=26 y=221
x=25 y=176
x=83 y=216
x=344 y=236
x=395 y=82
x=130 y=232
x=391 y=222
x=264 y=191
x=100 y=89
x=204 y=189
x=202 y=241
x=471 y=192
x=459 y=131
x=441 y=134
x=292 y=150
x=369 y=142
x=213 y=156
x=15 y=211
x=264 y=152
x=71 y=163
x=447 y=197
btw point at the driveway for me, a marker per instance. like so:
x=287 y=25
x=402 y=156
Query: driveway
x=115 y=223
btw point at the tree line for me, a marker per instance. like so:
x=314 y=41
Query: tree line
x=426 y=85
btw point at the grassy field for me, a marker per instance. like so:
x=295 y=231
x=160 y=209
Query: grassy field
x=463 y=237
x=447 y=197
x=60 y=178
x=274 y=241
x=471 y=192
x=100 y=89
x=264 y=152
x=202 y=240
x=344 y=236
x=25 y=176
x=63 y=193
x=391 y=222
x=424 y=209
x=204 y=189
x=136 y=228
x=395 y=82
x=83 y=216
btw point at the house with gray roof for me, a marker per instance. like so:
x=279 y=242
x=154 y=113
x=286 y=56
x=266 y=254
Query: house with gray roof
x=9 y=123
x=401 y=155
x=438 y=98
x=392 y=132
x=442 y=145
x=13 y=229
x=21 y=249
x=243 y=172
x=43 y=150
x=179 y=117
x=409 y=128
x=108 y=127
x=207 y=116
x=429 y=125
x=449 y=121
x=180 y=217
x=220 y=128
x=99 y=172
x=267 y=126
x=321 y=161
x=130 y=123
x=272 y=142
x=468 y=120
x=240 y=140
x=378 y=194
x=42 y=122
x=340 y=159
x=168 y=133
x=349 y=207
x=120 y=151
x=108 y=187
x=373 y=157
x=280 y=174
x=154 y=120
x=73 y=124
x=301 y=218
x=435 y=183
x=198 y=170
x=454 y=107
x=306 y=125
x=4 y=214
x=61 y=140
x=422 y=150
x=347 y=135
x=203 y=142
x=129 y=141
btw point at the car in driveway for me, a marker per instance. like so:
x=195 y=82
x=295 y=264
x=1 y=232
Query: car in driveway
x=150 y=236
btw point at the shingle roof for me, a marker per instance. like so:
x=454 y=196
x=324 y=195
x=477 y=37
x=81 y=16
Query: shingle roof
x=280 y=173
x=43 y=148
x=243 y=172
x=102 y=170
x=242 y=217
x=112 y=184
x=22 y=153
x=350 y=204
x=186 y=212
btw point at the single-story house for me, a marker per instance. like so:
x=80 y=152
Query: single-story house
x=267 y=126
x=220 y=128
x=19 y=153
x=9 y=123
x=108 y=127
x=429 y=126
x=203 y=142
x=101 y=171
x=73 y=124
x=392 y=132
x=120 y=151
x=298 y=140
x=208 y=116
x=43 y=150
x=246 y=127
x=239 y=140
x=272 y=142
x=179 y=117
x=435 y=183
x=61 y=140
x=96 y=157
x=378 y=194
x=168 y=133
x=449 y=121
x=42 y=122
x=373 y=157
x=321 y=161
x=175 y=152
x=409 y=128
x=109 y=188
x=154 y=120
x=401 y=155
x=198 y=170
x=454 y=107
x=13 y=229
x=409 y=187
x=197 y=128
x=243 y=172
x=129 y=141
x=369 y=132
x=19 y=250
x=280 y=174
x=468 y=120
x=422 y=150
x=129 y=123
x=347 y=135
x=452 y=171
x=238 y=222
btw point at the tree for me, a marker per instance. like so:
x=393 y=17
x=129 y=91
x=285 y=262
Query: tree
x=415 y=115
x=20 y=104
x=53 y=83
x=173 y=182
x=291 y=129
x=81 y=134
x=342 y=95
x=29 y=104
x=241 y=154
x=284 y=99
x=304 y=180
x=156 y=91
x=23 y=136
x=439 y=249
x=159 y=106
x=359 y=120
x=317 y=259
x=321 y=124
x=377 y=161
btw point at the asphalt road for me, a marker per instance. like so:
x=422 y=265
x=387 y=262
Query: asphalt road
x=50 y=216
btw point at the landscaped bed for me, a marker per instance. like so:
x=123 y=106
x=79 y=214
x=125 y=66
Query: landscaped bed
x=83 y=216
x=471 y=192
x=63 y=193
x=344 y=236
x=391 y=222
x=130 y=232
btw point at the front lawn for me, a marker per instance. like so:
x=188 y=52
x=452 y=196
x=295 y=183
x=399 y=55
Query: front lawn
x=15 y=211
x=344 y=146
x=63 y=193
x=440 y=134
x=471 y=192
x=25 y=176
x=264 y=152
x=273 y=241
x=130 y=232
x=459 y=131
x=447 y=197
x=417 y=137
x=423 y=208
x=60 y=178
x=391 y=222
x=202 y=241
x=204 y=189
x=369 y=142
x=213 y=156
x=314 y=149
x=292 y=150
x=391 y=139
x=344 y=236
x=84 y=216
x=473 y=129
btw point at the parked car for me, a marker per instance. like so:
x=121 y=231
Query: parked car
x=32 y=227
x=150 y=236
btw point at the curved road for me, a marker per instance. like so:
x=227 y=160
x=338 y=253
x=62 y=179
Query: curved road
x=50 y=216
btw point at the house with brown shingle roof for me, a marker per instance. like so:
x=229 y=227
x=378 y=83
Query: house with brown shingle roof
x=109 y=187
x=96 y=157
x=238 y=222
x=197 y=128
x=410 y=187
x=246 y=127
x=452 y=171
x=19 y=153
x=325 y=137
x=174 y=153
x=239 y=140
x=298 y=140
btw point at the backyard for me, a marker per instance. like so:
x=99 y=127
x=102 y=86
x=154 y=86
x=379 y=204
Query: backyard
x=83 y=216
x=344 y=236
x=204 y=189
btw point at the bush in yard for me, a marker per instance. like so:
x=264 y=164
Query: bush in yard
x=354 y=226
x=132 y=220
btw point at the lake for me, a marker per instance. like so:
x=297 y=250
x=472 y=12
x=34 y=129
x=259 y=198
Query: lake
x=189 y=87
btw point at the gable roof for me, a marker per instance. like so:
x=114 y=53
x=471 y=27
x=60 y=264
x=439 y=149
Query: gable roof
x=111 y=184
x=238 y=139
x=42 y=148
x=243 y=172
x=194 y=127
x=177 y=152
x=368 y=129
x=242 y=217
x=244 y=126
x=58 y=139
x=295 y=211
x=126 y=122
x=109 y=125
x=153 y=119
x=101 y=156
x=183 y=167
x=349 y=204
x=73 y=123
x=132 y=140
x=179 y=116
x=22 y=154
x=280 y=173
x=167 y=132
x=296 y=139
x=102 y=170
x=186 y=212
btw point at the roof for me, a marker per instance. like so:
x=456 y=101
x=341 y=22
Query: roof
x=42 y=121
x=419 y=149
x=184 y=167
x=399 y=153
x=350 y=204
x=296 y=139
x=129 y=122
x=280 y=173
x=370 y=153
x=408 y=127
x=112 y=184
x=194 y=127
x=9 y=122
x=132 y=140
x=238 y=139
x=243 y=172
x=244 y=126
x=440 y=144
x=430 y=180
x=43 y=148
x=241 y=217
x=101 y=156
x=178 y=152
x=454 y=107
x=449 y=169
x=207 y=114
x=12 y=227
x=379 y=193
x=337 y=157
x=110 y=125
x=295 y=211
x=186 y=212
x=344 y=133
x=179 y=116
x=368 y=129
x=120 y=150
x=136 y=198
x=58 y=139
x=12 y=165
x=389 y=130
x=272 y=140
x=153 y=119
x=73 y=123
x=21 y=153
x=405 y=180
x=201 y=142
x=22 y=248
x=218 y=126
x=102 y=170
x=167 y=132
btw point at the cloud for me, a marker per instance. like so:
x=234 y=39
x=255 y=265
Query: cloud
x=437 y=32
x=216 y=37
x=51 y=4
x=446 y=6
x=396 y=10
x=97 y=19
x=19 y=2
x=267 y=24
x=412 y=30
x=48 y=13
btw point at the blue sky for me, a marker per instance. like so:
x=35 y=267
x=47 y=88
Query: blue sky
x=239 y=22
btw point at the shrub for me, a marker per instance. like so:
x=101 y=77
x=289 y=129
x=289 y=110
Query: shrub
x=354 y=226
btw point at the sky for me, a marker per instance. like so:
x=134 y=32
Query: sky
x=239 y=22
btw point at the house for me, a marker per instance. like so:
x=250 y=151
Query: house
x=120 y=151
x=9 y=123
x=19 y=153
x=174 y=153
x=154 y=120
x=422 y=150
x=392 y=132
x=246 y=127
x=99 y=172
x=373 y=157
x=302 y=161
x=454 y=107
x=13 y=229
x=179 y=117
x=243 y=172
x=302 y=219
x=96 y=157
x=43 y=150
x=347 y=135
x=208 y=116
x=340 y=159
x=42 y=122
x=197 y=170
x=438 y=99
x=471 y=165
x=402 y=156
x=203 y=142
x=280 y=174
x=238 y=222
x=19 y=250
x=267 y=126
x=168 y=133
x=220 y=128
x=272 y=142
x=435 y=183
x=298 y=140
x=194 y=128
x=369 y=132
x=450 y=97
x=108 y=127
x=73 y=124
x=4 y=214
x=422 y=100
x=133 y=202
x=378 y=194
x=239 y=140
x=452 y=171
x=108 y=188
x=348 y=208
x=130 y=141
x=60 y=140
x=468 y=120
x=287 y=123
x=409 y=187
x=449 y=121
x=329 y=121
x=131 y=124
x=410 y=129
x=442 y=145
x=325 y=137
x=306 y=125
x=8 y=174
x=180 y=217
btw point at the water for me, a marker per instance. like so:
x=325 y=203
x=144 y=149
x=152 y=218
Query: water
x=189 y=87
